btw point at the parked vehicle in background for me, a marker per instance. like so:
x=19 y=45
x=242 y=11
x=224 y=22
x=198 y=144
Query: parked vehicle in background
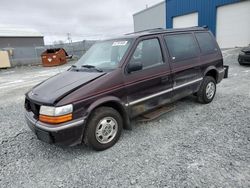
x=244 y=56
x=121 y=78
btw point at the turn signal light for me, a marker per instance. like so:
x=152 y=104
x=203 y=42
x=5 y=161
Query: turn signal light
x=55 y=119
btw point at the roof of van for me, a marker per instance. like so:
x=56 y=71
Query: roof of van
x=156 y=31
x=162 y=30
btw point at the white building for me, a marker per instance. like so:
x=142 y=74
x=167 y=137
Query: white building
x=152 y=17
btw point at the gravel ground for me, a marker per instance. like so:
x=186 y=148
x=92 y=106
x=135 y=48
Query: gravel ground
x=192 y=146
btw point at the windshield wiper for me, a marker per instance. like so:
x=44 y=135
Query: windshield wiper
x=92 y=67
x=72 y=67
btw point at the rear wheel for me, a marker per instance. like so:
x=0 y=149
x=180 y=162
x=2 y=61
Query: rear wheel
x=103 y=129
x=207 y=90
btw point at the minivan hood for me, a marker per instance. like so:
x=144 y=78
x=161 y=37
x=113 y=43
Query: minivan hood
x=55 y=88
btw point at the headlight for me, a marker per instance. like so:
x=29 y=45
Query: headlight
x=56 y=111
x=55 y=115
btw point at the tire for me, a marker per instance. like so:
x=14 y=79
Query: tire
x=206 y=95
x=104 y=128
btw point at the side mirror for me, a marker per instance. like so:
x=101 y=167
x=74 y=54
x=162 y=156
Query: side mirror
x=134 y=66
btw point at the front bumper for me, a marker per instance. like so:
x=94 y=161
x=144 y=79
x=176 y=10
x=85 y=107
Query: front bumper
x=69 y=133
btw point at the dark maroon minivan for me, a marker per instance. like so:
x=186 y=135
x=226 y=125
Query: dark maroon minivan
x=121 y=78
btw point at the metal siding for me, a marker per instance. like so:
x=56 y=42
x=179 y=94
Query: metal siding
x=153 y=17
x=6 y=42
x=206 y=10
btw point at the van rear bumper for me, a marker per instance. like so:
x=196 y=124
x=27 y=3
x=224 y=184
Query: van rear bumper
x=222 y=73
x=69 y=133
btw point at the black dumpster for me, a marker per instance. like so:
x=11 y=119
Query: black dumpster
x=226 y=67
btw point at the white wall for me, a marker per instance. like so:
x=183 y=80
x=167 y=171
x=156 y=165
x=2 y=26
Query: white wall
x=233 y=25
x=187 y=20
x=153 y=17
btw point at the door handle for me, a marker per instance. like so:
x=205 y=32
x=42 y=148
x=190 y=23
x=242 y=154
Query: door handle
x=164 y=79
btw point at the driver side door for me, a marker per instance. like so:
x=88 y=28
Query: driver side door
x=151 y=86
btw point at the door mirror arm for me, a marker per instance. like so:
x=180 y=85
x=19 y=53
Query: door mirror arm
x=134 y=66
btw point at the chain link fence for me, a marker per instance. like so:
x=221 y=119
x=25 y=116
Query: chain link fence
x=20 y=56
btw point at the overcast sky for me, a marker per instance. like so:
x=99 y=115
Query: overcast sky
x=84 y=19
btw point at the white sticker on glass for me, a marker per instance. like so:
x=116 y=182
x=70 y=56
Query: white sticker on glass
x=120 y=43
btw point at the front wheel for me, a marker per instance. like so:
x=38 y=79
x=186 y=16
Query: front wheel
x=103 y=129
x=207 y=90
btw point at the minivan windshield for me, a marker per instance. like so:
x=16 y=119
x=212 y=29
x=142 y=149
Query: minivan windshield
x=104 y=55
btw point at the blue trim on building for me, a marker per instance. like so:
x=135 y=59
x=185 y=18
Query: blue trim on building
x=206 y=10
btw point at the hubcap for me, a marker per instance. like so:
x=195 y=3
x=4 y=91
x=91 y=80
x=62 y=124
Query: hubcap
x=210 y=90
x=106 y=130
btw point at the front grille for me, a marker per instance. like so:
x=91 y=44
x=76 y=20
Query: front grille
x=27 y=105
x=33 y=107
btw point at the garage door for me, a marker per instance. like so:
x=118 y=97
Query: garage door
x=233 y=25
x=187 y=20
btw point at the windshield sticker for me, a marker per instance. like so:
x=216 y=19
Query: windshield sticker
x=120 y=43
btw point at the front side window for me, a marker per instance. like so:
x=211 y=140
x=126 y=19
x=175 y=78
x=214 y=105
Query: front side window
x=104 y=54
x=148 y=53
x=181 y=46
x=206 y=43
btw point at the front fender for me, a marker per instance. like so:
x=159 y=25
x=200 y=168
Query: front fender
x=118 y=104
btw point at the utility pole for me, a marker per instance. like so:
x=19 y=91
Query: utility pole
x=70 y=42
x=69 y=38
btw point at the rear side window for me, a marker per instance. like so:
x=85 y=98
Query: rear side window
x=148 y=52
x=181 y=46
x=206 y=43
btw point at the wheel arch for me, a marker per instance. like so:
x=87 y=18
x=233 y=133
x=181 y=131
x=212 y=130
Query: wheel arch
x=115 y=103
x=212 y=71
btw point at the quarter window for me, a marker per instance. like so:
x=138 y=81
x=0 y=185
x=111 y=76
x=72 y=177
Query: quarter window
x=148 y=52
x=206 y=43
x=181 y=46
